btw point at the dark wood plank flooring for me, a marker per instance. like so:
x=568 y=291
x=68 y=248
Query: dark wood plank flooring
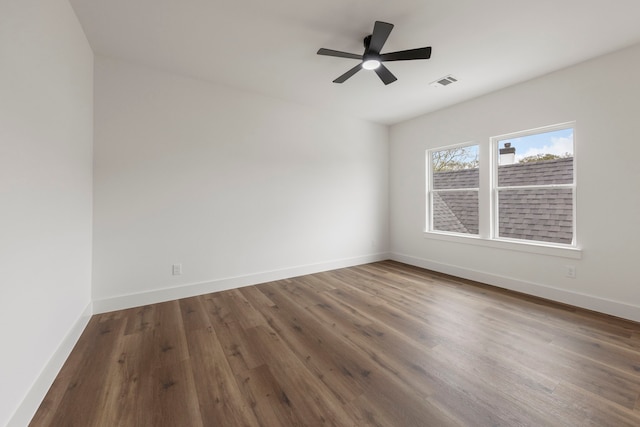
x=382 y=344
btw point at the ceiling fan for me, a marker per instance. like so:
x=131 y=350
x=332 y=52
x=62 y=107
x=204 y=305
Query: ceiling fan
x=372 y=59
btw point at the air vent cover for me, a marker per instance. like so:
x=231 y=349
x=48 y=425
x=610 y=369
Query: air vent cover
x=444 y=81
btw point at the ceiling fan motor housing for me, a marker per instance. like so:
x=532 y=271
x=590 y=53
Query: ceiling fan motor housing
x=369 y=56
x=367 y=42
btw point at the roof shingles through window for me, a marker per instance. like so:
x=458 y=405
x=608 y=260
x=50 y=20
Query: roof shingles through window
x=540 y=214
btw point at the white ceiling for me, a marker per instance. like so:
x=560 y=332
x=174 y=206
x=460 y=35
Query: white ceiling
x=270 y=46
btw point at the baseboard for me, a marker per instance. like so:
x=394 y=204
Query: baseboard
x=577 y=299
x=31 y=402
x=192 y=289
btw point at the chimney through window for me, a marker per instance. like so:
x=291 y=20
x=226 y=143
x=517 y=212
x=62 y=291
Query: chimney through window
x=507 y=154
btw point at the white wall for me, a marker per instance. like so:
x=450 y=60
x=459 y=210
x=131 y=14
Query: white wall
x=237 y=187
x=602 y=96
x=46 y=114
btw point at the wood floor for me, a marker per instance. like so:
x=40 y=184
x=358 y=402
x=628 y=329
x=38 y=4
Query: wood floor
x=382 y=344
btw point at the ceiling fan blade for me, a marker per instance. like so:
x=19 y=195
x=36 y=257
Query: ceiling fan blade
x=348 y=74
x=385 y=75
x=405 y=55
x=381 y=31
x=330 y=52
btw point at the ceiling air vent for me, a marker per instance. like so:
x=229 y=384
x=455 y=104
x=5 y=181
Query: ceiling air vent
x=444 y=81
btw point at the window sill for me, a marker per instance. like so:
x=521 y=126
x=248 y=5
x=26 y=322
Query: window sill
x=530 y=247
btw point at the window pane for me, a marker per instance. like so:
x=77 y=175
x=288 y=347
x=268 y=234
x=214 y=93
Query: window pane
x=455 y=211
x=447 y=180
x=540 y=159
x=544 y=215
x=455 y=168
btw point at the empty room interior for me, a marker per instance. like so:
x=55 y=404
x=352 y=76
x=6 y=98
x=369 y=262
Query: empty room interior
x=346 y=213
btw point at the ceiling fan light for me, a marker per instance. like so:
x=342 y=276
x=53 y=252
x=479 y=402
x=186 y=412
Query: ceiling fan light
x=370 y=64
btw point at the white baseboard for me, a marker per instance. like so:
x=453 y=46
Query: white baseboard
x=192 y=289
x=31 y=402
x=577 y=299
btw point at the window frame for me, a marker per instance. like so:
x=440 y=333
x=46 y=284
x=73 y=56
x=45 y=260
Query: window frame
x=487 y=199
x=431 y=190
x=495 y=188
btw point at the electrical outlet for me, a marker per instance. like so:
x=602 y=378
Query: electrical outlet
x=176 y=269
x=570 y=271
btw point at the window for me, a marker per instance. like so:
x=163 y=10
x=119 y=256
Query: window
x=524 y=191
x=535 y=187
x=454 y=189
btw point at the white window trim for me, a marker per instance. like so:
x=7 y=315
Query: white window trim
x=530 y=246
x=488 y=230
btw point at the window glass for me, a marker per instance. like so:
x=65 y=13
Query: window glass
x=535 y=187
x=454 y=189
x=455 y=167
x=542 y=214
x=455 y=211
x=538 y=159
